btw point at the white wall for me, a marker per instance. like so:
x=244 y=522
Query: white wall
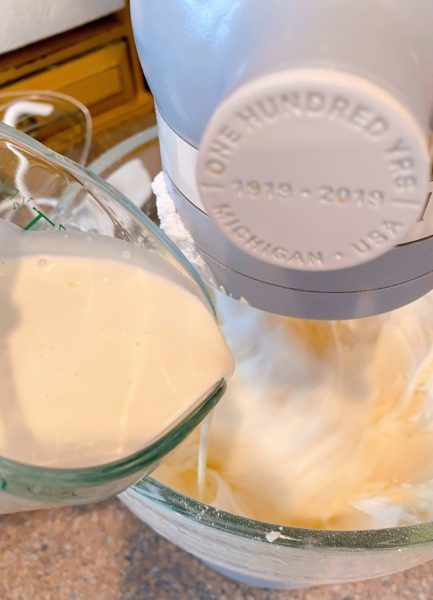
x=25 y=21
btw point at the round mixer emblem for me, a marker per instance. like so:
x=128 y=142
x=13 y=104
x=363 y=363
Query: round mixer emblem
x=313 y=169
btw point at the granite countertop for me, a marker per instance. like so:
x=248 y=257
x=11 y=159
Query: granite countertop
x=103 y=552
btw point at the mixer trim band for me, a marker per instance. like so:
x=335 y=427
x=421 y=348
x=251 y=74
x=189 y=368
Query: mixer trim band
x=310 y=295
x=180 y=162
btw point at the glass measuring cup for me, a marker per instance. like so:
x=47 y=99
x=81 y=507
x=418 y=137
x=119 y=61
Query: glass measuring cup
x=40 y=190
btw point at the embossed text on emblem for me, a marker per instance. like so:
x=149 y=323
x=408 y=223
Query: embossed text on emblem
x=228 y=219
x=312 y=104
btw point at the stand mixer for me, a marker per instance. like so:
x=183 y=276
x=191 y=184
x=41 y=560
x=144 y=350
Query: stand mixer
x=295 y=141
x=295 y=145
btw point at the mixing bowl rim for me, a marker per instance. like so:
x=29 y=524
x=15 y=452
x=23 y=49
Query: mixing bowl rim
x=150 y=490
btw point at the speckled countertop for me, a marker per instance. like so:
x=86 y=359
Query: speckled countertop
x=102 y=552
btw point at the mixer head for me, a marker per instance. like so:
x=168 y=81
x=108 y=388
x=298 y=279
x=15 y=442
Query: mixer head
x=295 y=144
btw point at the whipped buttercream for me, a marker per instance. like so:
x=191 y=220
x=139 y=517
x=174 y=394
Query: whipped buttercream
x=324 y=424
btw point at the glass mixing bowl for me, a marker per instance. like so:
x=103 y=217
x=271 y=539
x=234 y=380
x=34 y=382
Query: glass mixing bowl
x=273 y=556
x=258 y=553
x=40 y=189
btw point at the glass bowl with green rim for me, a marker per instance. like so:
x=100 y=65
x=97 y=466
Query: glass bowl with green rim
x=42 y=190
x=276 y=556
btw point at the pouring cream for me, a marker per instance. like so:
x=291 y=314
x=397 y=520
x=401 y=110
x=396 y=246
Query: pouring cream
x=103 y=347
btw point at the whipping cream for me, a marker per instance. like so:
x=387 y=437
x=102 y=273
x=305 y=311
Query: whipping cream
x=324 y=425
x=103 y=347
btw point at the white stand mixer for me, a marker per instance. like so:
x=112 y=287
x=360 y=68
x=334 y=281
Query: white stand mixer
x=295 y=143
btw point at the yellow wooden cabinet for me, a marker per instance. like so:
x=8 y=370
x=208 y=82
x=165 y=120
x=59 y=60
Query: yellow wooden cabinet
x=101 y=79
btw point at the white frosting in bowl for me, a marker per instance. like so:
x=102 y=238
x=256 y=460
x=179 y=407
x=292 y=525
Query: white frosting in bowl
x=324 y=425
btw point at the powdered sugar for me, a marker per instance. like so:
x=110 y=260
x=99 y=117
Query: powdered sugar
x=272 y=536
x=172 y=225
